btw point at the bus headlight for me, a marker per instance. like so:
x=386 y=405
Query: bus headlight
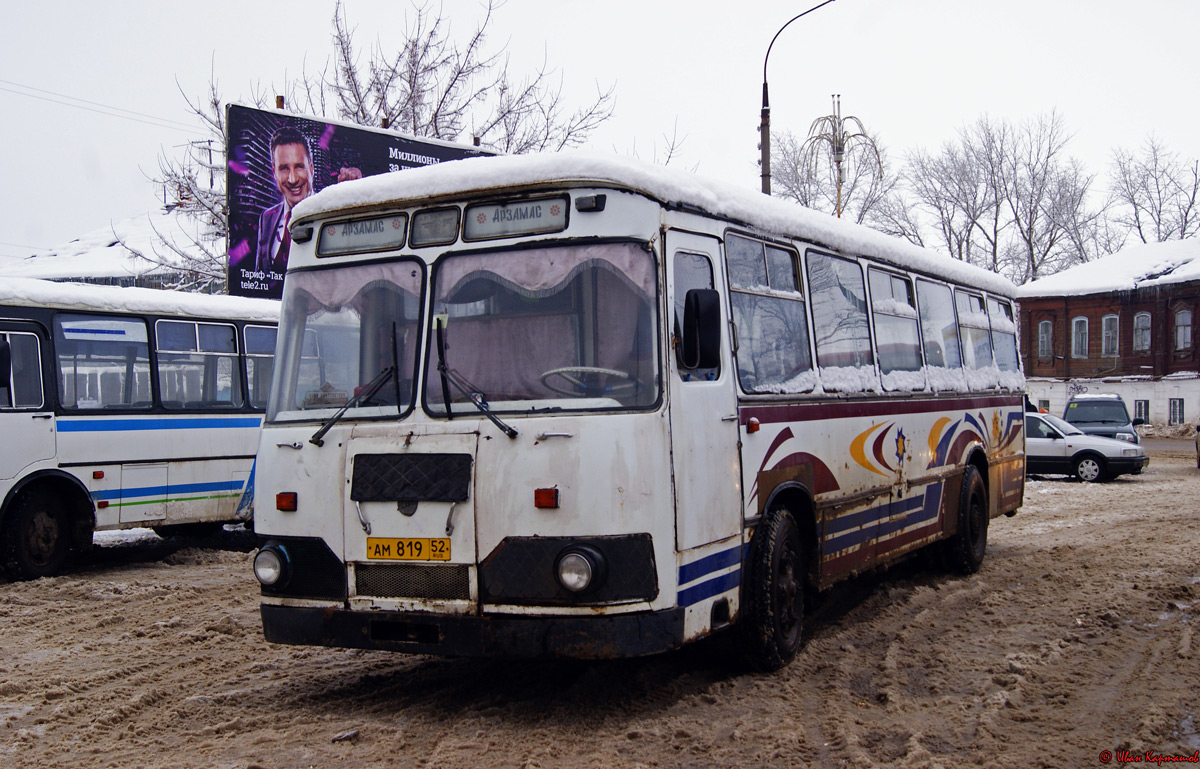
x=580 y=569
x=271 y=566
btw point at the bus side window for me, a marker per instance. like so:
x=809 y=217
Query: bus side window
x=21 y=372
x=260 y=362
x=26 y=369
x=898 y=337
x=769 y=318
x=840 y=328
x=939 y=336
x=103 y=361
x=690 y=271
x=198 y=365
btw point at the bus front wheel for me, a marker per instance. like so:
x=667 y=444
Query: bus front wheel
x=773 y=593
x=33 y=542
x=964 y=551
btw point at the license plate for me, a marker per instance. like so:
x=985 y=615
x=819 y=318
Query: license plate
x=410 y=549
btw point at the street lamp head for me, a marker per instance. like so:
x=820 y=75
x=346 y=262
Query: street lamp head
x=765 y=124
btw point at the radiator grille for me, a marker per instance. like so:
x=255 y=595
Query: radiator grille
x=442 y=582
x=411 y=477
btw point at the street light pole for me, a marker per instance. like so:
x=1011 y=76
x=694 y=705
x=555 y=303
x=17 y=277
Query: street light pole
x=764 y=127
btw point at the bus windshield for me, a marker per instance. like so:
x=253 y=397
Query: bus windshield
x=340 y=330
x=561 y=328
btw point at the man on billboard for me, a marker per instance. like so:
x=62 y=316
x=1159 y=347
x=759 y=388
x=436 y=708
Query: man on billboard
x=276 y=159
x=292 y=168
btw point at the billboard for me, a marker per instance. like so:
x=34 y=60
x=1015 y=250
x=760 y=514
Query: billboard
x=276 y=159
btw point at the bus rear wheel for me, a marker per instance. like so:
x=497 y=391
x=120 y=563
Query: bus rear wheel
x=773 y=594
x=964 y=551
x=33 y=542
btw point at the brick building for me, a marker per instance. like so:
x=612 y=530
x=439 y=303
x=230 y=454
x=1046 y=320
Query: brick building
x=1124 y=324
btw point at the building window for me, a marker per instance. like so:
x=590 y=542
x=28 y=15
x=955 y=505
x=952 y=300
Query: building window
x=1183 y=329
x=1141 y=410
x=1141 y=332
x=1044 y=405
x=1045 y=339
x=1079 y=338
x=1176 y=411
x=1108 y=341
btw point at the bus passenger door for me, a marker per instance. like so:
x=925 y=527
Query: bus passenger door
x=26 y=416
x=703 y=410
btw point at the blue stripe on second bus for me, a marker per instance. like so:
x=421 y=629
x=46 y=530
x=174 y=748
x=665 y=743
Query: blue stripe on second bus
x=162 y=491
x=845 y=531
x=170 y=423
x=701 y=568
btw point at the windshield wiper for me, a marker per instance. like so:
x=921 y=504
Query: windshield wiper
x=364 y=393
x=449 y=378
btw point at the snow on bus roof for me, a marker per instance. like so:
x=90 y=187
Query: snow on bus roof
x=669 y=185
x=32 y=292
x=1139 y=266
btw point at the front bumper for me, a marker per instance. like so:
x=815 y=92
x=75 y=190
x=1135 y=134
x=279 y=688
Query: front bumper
x=538 y=637
x=1119 y=465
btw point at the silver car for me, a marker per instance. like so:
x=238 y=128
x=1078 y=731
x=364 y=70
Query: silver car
x=1054 y=446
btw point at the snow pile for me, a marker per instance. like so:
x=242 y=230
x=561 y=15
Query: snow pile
x=100 y=253
x=1140 y=266
x=31 y=292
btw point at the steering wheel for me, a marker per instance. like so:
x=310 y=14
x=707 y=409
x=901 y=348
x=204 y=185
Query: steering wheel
x=580 y=386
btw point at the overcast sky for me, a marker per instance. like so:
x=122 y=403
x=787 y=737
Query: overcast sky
x=913 y=71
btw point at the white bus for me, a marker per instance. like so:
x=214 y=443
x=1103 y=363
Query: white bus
x=124 y=408
x=591 y=408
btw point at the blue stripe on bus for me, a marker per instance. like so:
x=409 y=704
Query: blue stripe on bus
x=714 y=586
x=162 y=491
x=844 y=532
x=172 y=423
x=693 y=571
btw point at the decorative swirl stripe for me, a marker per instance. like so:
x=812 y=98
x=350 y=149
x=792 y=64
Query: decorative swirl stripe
x=858 y=445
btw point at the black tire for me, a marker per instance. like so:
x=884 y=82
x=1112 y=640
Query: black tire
x=33 y=542
x=1089 y=468
x=772 y=615
x=963 y=552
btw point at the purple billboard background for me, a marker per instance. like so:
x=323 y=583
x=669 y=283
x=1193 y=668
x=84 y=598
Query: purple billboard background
x=250 y=184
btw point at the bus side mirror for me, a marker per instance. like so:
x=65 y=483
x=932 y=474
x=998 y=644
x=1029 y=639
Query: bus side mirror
x=701 y=341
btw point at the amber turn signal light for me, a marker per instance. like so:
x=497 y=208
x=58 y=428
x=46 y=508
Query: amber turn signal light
x=286 y=501
x=545 y=498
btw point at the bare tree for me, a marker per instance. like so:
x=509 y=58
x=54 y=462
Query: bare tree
x=433 y=86
x=1009 y=199
x=671 y=145
x=1154 y=194
x=436 y=87
x=954 y=191
x=1045 y=193
x=193 y=186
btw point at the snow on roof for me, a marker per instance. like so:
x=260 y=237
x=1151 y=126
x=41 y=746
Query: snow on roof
x=30 y=292
x=99 y=254
x=473 y=175
x=1146 y=264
